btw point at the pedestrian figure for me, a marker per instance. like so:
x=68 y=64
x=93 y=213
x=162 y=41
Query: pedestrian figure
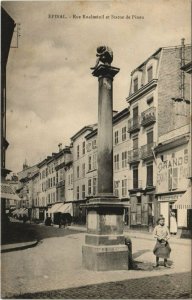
x=173 y=224
x=24 y=219
x=162 y=248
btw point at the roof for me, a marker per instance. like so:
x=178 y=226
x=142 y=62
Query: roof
x=91 y=134
x=81 y=131
x=154 y=56
x=122 y=114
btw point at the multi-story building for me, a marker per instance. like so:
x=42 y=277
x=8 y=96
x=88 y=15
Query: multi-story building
x=121 y=173
x=91 y=170
x=153 y=121
x=80 y=167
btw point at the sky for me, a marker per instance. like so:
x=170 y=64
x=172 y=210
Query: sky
x=51 y=93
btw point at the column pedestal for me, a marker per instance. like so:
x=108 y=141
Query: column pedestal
x=104 y=247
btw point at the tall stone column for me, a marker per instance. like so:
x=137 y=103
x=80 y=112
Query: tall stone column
x=104 y=247
x=105 y=76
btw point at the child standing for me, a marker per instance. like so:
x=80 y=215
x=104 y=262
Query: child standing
x=162 y=248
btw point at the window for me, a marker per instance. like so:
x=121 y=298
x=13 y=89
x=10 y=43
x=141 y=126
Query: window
x=77 y=192
x=77 y=171
x=150 y=175
x=135 y=177
x=116 y=137
x=94 y=161
x=135 y=85
x=71 y=178
x=116 y=162
x=172 y=178
x=94 y=186
x=54 y=197
x=116 y=188
x=89 y=163
x=83 y=170
x=124 y=187
x=135 y=142
x=77 y=151
x=124 y=130
x=124 y=159
x=51 y=182
x=57 y=177
x=135 y=116
x=149 y=137
x=89 y=186
x=175 y=178
x=94 y=144
x=83 y=191
x=83 y=148
x=150 y=73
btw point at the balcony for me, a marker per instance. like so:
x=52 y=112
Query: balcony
x=134 y=124
x=135 y=186
x=148 y=117
x=133 y=156
x=146 y=151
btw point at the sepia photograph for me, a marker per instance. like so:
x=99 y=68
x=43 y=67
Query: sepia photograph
x=96 y=151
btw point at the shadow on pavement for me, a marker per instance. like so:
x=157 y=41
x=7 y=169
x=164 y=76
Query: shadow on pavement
x=140 y=252
x=148 y=266
x=17 y=232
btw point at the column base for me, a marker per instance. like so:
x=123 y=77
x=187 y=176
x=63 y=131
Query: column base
x=105 y=258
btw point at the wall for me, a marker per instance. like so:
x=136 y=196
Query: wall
x=169 y=82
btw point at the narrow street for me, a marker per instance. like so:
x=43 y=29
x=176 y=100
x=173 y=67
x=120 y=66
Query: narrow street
x=53 y=269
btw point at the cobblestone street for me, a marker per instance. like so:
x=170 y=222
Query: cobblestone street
x=54 y=267
x=161 y=287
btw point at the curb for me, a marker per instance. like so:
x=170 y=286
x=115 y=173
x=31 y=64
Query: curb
x=17 y=247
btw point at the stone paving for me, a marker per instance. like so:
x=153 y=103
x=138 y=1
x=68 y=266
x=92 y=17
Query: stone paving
x=55 y=264
x=160 y=287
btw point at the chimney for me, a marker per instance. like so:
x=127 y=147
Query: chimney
x=60 y=146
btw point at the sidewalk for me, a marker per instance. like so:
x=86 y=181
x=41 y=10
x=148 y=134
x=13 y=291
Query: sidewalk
x=138 y=234
x=18 y=246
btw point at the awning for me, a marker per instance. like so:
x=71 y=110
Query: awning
x=8 y=192
x=15 y=211
x=20 y=212
x=54 y=208
x=66 y=208
x=185 y=201
x=24 y=212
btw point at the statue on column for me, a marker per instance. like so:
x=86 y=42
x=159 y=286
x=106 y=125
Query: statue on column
x=105 y=56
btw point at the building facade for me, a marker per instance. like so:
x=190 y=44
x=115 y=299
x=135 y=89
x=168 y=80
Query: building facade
x=154 y=127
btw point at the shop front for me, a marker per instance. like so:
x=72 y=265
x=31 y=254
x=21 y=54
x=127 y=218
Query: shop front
x=172 y=180
x=142 y=211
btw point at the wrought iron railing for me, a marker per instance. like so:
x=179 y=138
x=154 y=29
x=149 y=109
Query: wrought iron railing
x=148 y=116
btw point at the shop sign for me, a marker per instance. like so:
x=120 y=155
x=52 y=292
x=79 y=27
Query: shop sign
x=169 y=198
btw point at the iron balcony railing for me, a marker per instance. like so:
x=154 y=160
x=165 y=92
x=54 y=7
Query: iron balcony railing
x=146 y=151
x=134 y=124
x=148 y=117
x=133 y=155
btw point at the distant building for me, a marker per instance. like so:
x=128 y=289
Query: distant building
x=80 y=167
